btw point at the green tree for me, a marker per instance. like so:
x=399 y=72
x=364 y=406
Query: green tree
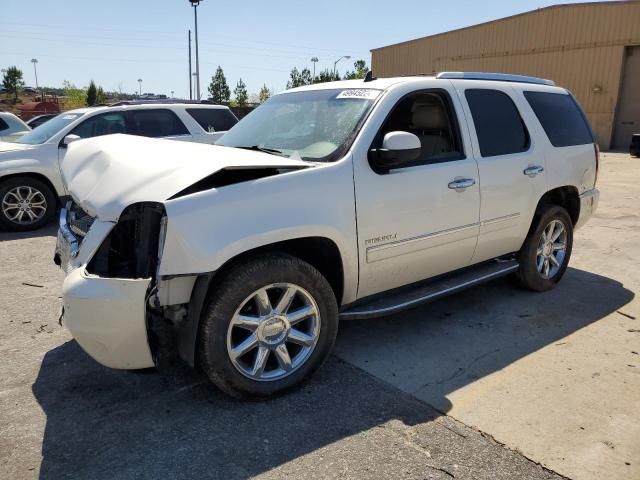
x=100 y=96
x=219 y=91
x=92 y=94
x=360 y=70
x=264 y=94
x=240 y=92
x=13 y=82
x=74 y=97
x=327 y=76
x=299 y=78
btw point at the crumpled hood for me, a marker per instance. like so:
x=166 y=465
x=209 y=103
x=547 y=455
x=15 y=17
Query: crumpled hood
x=106 y=174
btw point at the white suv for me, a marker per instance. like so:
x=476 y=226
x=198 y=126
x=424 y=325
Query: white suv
x=336 y=201
x=30 y=181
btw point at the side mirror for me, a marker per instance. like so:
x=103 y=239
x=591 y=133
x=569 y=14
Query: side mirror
x=69 y=139
x=397 y=149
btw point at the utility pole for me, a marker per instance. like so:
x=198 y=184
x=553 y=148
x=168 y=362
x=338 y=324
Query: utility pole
x=195 y=4
x=190 y=87
x=314 y=60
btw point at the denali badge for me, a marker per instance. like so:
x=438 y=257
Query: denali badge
x=381 y=238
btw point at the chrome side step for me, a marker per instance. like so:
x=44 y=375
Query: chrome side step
x=423 y=292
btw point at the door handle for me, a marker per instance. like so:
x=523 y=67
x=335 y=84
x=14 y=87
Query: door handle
x=533 y=171
x=460 y=184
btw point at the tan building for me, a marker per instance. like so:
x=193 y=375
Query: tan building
x=593 y=49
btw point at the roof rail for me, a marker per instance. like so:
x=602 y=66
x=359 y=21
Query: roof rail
x=499 y=77
x=162 y=102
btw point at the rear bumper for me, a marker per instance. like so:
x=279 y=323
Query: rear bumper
x=588 y=205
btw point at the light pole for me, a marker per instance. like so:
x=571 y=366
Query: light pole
x=314 y=60
x=139 y=87
x=35 y=71
x=336 y=63
x=195 y=79
x=195 y=4
x=190 y=77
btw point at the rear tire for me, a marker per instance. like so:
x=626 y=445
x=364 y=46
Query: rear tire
x=26 y=203
x=284 y=339
x=544 y=257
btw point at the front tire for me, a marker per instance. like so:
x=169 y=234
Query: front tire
x=544 y=257
x=26 y=203
x=267 y=326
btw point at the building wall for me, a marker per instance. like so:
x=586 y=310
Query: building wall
x=580 y=47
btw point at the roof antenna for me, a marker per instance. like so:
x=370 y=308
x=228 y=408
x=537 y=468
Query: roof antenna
x=369 y=76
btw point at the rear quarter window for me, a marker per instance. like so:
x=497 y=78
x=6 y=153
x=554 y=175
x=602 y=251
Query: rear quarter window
x=156 y=123
x=561 y=118
x=213 y=119
x=3 y=125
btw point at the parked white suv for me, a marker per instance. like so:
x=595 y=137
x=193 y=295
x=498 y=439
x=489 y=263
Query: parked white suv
x=30 y=182
x=342 y=200
x=12 y=127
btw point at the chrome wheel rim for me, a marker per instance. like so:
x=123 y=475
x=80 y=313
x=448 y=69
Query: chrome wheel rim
x=552 y=249
x=24 y=205
x=273 y=332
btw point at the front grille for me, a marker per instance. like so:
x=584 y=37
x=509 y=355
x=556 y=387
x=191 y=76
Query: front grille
x=79 y=221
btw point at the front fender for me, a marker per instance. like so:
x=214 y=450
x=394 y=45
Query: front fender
x=26 y=166
x=207 y=229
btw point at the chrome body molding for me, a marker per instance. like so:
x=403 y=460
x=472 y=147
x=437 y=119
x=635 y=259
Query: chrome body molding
x=504 y=218
x=409 y=245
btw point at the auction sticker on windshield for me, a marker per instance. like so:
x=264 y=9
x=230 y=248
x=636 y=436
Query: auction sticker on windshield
x=359 y=93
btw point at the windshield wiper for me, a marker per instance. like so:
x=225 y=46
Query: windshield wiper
x=258 y=148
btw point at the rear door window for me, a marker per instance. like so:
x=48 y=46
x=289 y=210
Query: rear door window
x=155 y=123
x=499 y=126
x=561 y=118
x=103 y=124
x=213 y=119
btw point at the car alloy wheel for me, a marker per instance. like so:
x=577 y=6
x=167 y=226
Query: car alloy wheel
x=24 y=205
x=273 y=332
x=551 y=249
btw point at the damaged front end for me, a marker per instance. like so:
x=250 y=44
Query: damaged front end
x=132 y=248
x=114 y=303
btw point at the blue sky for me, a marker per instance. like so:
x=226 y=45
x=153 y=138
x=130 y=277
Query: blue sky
x=115 y=42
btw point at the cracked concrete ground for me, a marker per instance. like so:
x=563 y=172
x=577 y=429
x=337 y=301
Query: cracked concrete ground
x=493 y=358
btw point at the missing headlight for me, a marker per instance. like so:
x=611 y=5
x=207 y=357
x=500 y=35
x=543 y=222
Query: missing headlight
x=131 y=249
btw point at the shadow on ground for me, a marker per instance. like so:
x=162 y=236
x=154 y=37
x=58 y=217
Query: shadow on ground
x=104 y=423
x=440 y=348
x=49 y=230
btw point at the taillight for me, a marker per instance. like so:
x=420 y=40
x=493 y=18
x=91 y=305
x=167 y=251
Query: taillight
x=597 y=152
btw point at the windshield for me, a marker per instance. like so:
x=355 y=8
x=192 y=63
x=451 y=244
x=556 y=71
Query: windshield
x=316 y=125
x=47 y=130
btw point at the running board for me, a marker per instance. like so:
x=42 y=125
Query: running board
x=423 y=292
